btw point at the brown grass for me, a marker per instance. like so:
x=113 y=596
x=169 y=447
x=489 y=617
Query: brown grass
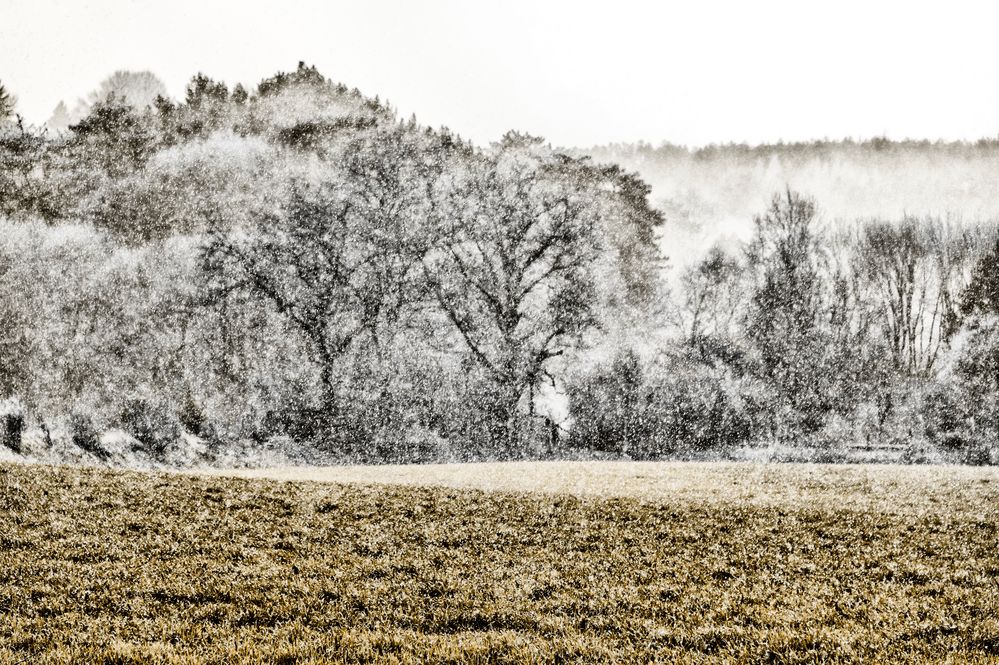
x=102 y=566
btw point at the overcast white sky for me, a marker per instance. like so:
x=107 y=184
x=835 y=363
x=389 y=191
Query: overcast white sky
x=579 y=73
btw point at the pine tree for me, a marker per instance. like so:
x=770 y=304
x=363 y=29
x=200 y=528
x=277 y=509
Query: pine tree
x=7 y=103
x=60 y=118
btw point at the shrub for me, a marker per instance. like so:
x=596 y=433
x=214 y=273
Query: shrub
x=195 y=421
x=408 y=445
x=12 y=423
x=945 y=417
x=960 y=411
x=646 y=409
x=84 y=433
x=299 y=422
x=152 y=422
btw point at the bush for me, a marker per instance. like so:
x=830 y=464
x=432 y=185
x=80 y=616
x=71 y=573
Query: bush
x=945 y=416
x=84 y=433
x=411 y=406
x=152 y=422
x=461 y=403
x=960 y=411
x=614 y=408
x=676 y=404
x=408 y=445
x=12 y=423
x=195 y=420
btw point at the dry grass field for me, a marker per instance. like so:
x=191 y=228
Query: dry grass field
x=739 y=563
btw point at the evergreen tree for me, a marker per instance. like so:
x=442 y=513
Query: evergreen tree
x=981 y=296
x=784 y=313
x=60 y=119
x=7 y=104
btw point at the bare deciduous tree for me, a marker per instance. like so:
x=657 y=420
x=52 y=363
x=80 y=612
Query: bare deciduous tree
x=514 y=278
x=917 y=268
x=342 y=261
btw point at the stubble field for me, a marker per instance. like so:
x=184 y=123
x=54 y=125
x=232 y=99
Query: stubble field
x=668 y=562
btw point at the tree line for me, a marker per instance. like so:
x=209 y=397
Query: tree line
x=295 y=262
x=874 y=334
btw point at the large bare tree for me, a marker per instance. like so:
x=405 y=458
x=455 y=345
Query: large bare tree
x=917 y=268
x=515 y=276
x=341 y=261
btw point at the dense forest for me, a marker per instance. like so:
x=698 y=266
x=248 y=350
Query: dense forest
x=294 y=270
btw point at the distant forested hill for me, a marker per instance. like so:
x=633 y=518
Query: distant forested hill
x=712 y=193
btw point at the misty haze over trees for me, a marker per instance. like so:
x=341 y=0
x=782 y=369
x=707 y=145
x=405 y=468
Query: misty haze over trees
x=294 y=270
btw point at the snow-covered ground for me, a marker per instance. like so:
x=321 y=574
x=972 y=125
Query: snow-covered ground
x=116 y=448
x=884 y=488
